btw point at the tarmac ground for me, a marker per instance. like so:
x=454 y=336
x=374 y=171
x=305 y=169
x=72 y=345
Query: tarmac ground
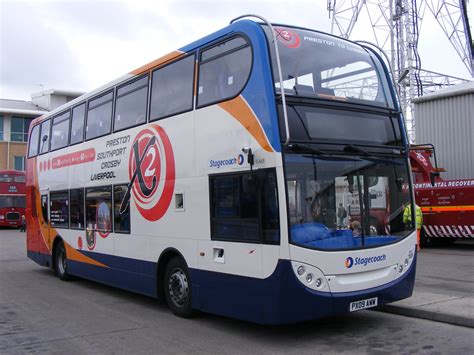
x=41 y=314
x=444 y=287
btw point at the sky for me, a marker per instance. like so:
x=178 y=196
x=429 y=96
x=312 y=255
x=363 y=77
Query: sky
x=81 y=45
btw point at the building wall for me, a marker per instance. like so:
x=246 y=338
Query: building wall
x=8 y=152
x=10 y=149
x=3 y=155
x=447 y=121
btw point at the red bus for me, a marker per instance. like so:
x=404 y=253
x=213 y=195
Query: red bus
x=12 y=197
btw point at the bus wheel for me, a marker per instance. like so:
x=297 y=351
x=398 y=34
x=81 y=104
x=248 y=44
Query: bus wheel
x=60 y=262
x=177 y=287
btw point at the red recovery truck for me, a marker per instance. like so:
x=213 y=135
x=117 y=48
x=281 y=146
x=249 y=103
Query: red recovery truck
x=447 y=205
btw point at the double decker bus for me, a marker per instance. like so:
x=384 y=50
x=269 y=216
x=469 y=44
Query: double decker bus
x=207 y=178
x=12 y=197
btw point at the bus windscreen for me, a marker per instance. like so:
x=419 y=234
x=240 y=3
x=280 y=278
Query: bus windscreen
x=322 y=66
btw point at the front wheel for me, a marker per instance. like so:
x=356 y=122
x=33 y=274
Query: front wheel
x=177 y=287
x=60 y=262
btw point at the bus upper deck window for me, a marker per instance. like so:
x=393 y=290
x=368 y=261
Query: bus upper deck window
x=44 y=137
x=99 y=116
x=130 y=104
x=223 y=71
x=172 y=88
x=60 y=131
x=34 y=141
x=77 y=124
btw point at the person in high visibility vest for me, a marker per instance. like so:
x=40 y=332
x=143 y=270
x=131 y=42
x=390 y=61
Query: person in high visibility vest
x=418 y=220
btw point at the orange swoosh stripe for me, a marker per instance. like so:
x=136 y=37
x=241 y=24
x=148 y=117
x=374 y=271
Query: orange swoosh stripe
x=447 y=208
x=157 y=62
x=241 y=111
x=73 y=254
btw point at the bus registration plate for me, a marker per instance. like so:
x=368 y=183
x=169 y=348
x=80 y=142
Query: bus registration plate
x=363 y=304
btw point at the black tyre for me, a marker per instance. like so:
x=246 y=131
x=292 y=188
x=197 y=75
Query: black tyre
x=60 y=262
x=177 y=288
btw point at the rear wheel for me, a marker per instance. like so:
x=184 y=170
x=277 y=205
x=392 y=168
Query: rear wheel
x=177 y=288
x=60 y=262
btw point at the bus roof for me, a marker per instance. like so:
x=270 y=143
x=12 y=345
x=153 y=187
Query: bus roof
x=241 y=25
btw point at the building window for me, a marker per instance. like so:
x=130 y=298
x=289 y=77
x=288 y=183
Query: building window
x=19 y=163
x=76 y=197
x=172 y=89
x=130 y=104
x=19 y=129
x=1 y=128
x=121 y=213
x=59 y=209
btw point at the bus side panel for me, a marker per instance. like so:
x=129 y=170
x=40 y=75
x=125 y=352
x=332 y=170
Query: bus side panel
x=143 y=283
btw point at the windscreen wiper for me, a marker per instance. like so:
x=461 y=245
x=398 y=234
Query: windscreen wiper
x=306 y=149
x=350 y=148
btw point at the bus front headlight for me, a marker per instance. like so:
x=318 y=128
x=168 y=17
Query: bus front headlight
x=310 y=276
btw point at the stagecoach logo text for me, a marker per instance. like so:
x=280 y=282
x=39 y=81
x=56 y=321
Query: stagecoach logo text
x=151 y=172
x=349 y=262
x=238 y=160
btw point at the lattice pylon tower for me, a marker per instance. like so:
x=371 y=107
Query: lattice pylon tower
x=394 y=27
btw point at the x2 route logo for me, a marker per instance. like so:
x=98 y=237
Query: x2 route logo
x=151 y=172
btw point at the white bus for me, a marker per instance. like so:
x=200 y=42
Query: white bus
x=205 y=178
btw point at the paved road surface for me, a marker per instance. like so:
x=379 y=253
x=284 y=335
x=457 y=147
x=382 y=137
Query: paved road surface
x=41 y=314
x=447 y=269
